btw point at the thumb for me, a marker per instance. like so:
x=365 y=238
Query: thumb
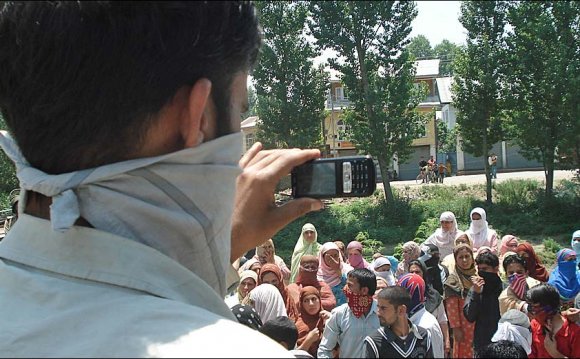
x=294 y=209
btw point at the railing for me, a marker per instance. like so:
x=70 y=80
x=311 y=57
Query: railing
x=337 y=103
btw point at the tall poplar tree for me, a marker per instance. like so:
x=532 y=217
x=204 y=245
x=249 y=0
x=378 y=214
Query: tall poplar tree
x=370 y=38
x=544 y=80
x=477 y=87
x=290 y=92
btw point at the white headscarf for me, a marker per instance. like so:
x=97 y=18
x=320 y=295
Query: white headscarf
x=445 y=240
x=387 y=275
x=268 y=302
x=180 y=203
x=478 y=228
x=514 y=333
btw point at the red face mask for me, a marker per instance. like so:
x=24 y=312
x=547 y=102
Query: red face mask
x=358 y=303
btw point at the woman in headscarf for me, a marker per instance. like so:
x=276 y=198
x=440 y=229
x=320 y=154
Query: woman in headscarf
x=394 y=263
x=480 y=232
x=354 y=252
x=332 y=270
x=252 y=264
x=382 y=269
x=307 y=244
x=515 y=327
x=247 y=315
x=462 y=238
x=266 y=253
x=267 y=301
x=310 y=324
x=433 y=300
x=456 y=287
x=509 y=243
x=533 y=264
x=564 y=277
x=575 y=244
x=248 y=281
x=342 y=248
x=514 y=296
x=445 y=235
x=271 y=274
x=436 y=273
x=411 y=250
x=307 y=276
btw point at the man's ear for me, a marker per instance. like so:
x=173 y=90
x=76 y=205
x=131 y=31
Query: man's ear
x=195 y=119
x=364 y=291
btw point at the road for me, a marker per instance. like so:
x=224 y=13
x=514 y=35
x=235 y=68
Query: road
x=480 y=178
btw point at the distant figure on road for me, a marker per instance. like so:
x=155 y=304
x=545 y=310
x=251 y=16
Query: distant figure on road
x=492 y=160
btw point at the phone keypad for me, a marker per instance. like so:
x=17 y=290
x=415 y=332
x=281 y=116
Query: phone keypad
x=360 y=177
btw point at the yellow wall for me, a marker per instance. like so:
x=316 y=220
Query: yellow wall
x=429 y=129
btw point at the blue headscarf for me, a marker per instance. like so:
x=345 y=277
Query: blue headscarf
x=564 y=276
x=394 y=263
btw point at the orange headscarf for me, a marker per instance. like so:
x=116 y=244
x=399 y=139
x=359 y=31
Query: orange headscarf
x=307 y=322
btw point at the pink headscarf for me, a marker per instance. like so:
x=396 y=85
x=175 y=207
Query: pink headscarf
x=356 y=260
x=508 y=241
x=326 y=273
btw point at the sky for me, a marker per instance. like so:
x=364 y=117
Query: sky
x=439 y=20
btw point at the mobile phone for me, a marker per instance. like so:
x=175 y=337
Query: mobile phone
x=352 y=176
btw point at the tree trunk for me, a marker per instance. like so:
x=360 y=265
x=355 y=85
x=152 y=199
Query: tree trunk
x=384 y=167
x=487 y=171
x=549 y=171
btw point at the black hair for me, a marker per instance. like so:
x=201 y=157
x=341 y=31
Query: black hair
x=281 y=329
x=488 y=258
x=513 y=258
x=421 y=265
x=81 y=83
x=365 y=278
x=502 y=349
x=544 y=294
x=396 y=295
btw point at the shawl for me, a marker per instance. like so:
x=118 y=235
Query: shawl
x=291 y=306
x=326 y=273
x=444 y=240
x=268 y=302
x=508 y=243
x=478 y=229
x=247 y=316
x=461 y=236
x=534 y=266
x=303 y=247
x=415 y=252
x=459 y=282
x=564 y=277
x=307 y=277
x=356 y=260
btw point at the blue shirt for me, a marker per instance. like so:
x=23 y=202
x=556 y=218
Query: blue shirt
x=349 y=331
x=338 y=293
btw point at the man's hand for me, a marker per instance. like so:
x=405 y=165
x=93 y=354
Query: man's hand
x=256 y=216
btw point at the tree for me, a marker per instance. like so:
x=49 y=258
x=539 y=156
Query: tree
x=446 y=51
x=477 y=82
x=446 y=137
x=420 y=47
x=252 y=103
x=370 y=39
x=8 y=180
x=290 y=92
x=544 y=77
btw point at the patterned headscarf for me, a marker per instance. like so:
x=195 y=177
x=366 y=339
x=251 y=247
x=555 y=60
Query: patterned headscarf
x=416 y=287
x=247 y=316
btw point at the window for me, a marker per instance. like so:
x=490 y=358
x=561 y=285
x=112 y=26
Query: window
x=341 y=130
x=249 y=140
x=339 y=92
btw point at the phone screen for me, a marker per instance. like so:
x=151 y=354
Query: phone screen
x=317 y=179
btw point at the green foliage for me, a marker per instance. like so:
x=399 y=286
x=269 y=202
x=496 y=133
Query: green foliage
x=543 y=80
x=551 y=245
x=446 y=137
x=478 y=82
x=290 y=91
x=8 y=180
x=446 y=52
x=370 y=39
x=420 y=47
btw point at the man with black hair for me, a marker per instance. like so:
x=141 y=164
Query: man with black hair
x=482 y=305
x=351 y=322
x=124 y=124
x=397 y=337
x=282 y=330
x=553 y=335
x=502 y=349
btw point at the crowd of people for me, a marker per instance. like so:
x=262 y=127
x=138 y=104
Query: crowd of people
x=459 y=294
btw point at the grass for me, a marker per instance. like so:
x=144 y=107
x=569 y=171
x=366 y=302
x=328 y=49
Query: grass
x=519 y=208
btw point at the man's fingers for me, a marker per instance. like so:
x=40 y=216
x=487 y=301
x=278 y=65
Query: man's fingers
x=250 y=154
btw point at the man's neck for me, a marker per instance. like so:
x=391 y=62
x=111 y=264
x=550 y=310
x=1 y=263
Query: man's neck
x=401 y=328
